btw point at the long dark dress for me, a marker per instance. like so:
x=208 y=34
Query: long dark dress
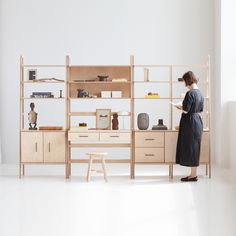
x=190 y=130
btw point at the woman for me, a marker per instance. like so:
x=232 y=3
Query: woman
x=190 y=128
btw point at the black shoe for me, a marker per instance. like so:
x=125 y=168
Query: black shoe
x=189 y=179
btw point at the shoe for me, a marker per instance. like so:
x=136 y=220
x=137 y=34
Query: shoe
x=189 y=179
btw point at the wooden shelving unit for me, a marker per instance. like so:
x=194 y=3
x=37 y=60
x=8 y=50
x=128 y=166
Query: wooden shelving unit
x=144 y=146
x=40 y=146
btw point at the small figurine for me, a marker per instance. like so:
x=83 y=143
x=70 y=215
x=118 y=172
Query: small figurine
x=115 y=122
x=32 y=116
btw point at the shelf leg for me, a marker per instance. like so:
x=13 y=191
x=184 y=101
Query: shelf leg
x=20 y=170
x=206 y=169
x=23 y=169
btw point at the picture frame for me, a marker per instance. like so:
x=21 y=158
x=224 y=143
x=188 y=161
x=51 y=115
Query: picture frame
x=32 y=74
x=103 y=118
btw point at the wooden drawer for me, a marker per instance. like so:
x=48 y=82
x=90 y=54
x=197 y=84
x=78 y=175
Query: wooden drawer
x=149 y=155
x=115 y=137
x=149 y=139
x=83 y=136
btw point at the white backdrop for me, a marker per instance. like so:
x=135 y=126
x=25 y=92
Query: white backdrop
x=95 y=32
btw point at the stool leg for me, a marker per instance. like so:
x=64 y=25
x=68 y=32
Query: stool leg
x=104 y=169
x=89 y=168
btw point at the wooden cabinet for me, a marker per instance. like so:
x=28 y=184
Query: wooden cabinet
x=43 y=147
x=171 y=143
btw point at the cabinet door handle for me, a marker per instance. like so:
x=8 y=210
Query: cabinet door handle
x=36 y=147
x=149 y=139
x=49 y=147
x=114 y=136
x=83 y=136
x=149 y=155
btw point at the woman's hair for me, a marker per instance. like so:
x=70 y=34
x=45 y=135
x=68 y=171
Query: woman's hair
x=189 y=78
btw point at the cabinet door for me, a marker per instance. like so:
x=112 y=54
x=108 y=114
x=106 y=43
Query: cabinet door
x=170 y=146
x=31 y=147
x=205 y=147
x=54 y=147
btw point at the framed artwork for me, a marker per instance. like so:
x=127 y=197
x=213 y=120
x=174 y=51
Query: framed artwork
x=103 y=118
x=32 y=74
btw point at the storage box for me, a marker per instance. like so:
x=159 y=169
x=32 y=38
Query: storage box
x=105 y=94
x=116 y=94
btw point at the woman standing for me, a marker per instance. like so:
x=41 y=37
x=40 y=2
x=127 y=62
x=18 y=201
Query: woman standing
x=190 y=128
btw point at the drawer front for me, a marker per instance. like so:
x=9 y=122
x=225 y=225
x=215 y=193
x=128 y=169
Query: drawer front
x=149 y=139
x=83 y=136
x=149 y=155
x=115 y=137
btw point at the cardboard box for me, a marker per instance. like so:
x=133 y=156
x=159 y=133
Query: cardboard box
x=116 y=94
x=105 y=94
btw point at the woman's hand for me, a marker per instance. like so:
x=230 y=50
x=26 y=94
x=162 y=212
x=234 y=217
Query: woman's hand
x=178 y=106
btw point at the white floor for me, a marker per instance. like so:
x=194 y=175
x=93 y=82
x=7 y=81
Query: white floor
x=43 y=203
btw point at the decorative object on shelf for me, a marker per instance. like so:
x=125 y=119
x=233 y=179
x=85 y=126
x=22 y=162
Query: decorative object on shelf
x=123 y=114
x=116 y=94
x=42 y=95
x=143 y=121
x=119 y=80
x=103 y=118
x=160 y=125
x=32 y=117
x=105 y=94
x=83 y=124
x=32 y=74
x=146 y=74
x=81 y=93
x=180 y=79
x=60 y=94
x=152 y=95
x=103 y=77
x=115 y=122
x=50 y=128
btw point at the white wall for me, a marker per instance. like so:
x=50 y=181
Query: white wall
x=95 y=32
x=228 y=84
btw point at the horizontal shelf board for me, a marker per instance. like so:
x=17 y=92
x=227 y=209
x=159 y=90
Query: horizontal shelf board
x=151 y=82
x=43 y=163
x=100 y=131
x=98 y=82
x=47 y=98
x=26 y=130
x=90 y=114
x=98 y=161
x=44 y=66
x=105 y=145
x=44 y=82
x=153 y=98
x=97 y=98
x=92 y=66
x=196 y=66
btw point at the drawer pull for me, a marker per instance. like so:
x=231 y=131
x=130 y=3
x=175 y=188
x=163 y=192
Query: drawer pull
x=114 y=136
x=149 y=139
x=36 y=147
x=49 y=147
x=149 y=155
x=83 y=136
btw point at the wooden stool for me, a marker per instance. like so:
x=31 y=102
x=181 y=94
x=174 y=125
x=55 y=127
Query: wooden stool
x=101 y=156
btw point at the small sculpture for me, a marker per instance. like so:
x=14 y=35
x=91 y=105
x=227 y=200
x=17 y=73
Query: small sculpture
x=160 y=125
x=81 y=93
x=32 y=116
x=115 y=122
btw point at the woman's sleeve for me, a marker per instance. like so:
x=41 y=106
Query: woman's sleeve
x=187 y=102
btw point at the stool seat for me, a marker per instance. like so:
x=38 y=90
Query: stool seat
x=95 y=155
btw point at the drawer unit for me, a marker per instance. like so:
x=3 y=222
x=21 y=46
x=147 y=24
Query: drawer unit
x=149 y=139
x=149 y=155
x=83 y=136
x=115 y=137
